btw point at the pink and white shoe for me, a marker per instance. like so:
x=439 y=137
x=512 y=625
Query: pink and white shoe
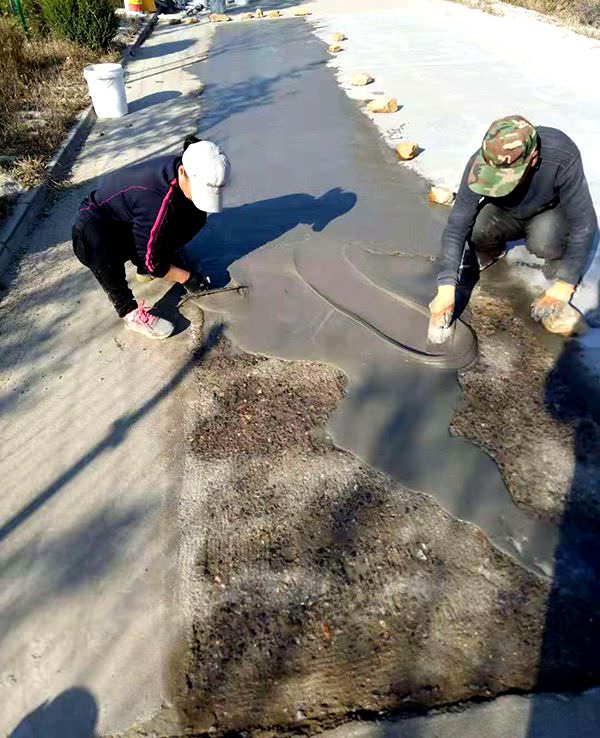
x=151 y=326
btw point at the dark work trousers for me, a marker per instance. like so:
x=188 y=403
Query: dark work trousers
x=104 y=247
x=545 y=234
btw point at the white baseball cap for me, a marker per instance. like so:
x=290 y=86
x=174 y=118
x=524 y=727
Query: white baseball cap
x=208 y=170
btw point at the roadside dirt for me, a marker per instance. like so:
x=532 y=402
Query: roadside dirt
x=520 y=406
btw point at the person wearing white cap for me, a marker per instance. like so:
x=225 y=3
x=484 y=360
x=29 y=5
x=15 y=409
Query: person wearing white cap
x=144 y=214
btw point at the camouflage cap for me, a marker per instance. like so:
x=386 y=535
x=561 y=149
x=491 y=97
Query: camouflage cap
x=505 y=154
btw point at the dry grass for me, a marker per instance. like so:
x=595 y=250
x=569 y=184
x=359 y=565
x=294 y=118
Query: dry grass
x=41 y=90
x=583 y=16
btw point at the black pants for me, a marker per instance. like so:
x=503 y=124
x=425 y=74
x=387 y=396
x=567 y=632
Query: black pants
x=104 y=247
x=545 y=234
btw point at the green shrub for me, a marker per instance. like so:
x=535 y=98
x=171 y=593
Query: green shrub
x=12 y=55
x=91 y=23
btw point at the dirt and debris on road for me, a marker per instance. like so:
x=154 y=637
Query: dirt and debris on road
x=520 y=406
x=317 y=587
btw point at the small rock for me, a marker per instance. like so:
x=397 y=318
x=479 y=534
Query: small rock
x=174 y=21
x=259 y=13
x=361 y=79
x=200 y=88
x=440 y=196
x=191 y=21
x=248 y=16
x=383 y=105
x=337 y=36
x=302 y=12
x=407 y=151
x=218 y=18
x=335 y=49
x=273 y=14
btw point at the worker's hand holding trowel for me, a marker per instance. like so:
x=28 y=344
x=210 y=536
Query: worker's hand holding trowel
x=196 y=284
x=441 y=310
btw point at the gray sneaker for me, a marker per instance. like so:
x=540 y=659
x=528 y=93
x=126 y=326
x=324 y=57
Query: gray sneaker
x=151 y=326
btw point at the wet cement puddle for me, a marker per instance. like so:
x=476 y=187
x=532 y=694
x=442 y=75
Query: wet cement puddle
x=305 y=161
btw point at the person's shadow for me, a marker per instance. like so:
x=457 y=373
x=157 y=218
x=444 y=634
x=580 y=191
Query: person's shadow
x=239 y=230
x=73 y=714
x=570 y=650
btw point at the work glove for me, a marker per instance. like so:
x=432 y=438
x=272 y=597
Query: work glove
x=552 y=301
x=196 y=284
x=441 y=308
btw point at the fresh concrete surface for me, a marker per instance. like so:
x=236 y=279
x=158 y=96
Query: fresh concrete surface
x=91 y=449
x=541 y=716
x=454 y=69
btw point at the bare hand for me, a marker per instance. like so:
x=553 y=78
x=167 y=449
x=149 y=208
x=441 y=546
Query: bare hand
x=441 y=308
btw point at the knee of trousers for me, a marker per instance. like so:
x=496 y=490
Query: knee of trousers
x=546 y=245
x=79 y=245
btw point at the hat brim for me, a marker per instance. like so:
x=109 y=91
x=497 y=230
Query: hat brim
x=210 y=200
x=492 y=181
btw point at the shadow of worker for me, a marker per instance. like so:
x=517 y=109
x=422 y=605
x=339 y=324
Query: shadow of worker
x=240 y=230
x=570 y=649
x=73 y=714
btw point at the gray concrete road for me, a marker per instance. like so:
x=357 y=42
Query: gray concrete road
x=91 y=450
x=541 y=716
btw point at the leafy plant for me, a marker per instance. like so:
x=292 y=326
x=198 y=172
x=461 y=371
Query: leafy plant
x=91 y=23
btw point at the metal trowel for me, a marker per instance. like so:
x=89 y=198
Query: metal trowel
x=440 y=333
x=230 y=288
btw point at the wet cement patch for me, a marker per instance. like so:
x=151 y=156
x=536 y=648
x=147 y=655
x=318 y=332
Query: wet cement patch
x=318 y=587
x=304 y=162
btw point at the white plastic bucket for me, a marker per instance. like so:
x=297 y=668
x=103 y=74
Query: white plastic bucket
x=106 y=84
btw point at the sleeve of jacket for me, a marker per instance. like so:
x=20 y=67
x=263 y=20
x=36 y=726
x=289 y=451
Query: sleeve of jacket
x=149 y=213
x=576 y=201
x=460 y=223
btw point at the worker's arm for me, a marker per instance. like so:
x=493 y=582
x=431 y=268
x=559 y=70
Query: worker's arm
x=460 y=223
x=459 y=226
x=149 y=214
x=576 y=202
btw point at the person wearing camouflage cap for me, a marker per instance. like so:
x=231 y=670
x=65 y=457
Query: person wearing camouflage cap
x=528 y=183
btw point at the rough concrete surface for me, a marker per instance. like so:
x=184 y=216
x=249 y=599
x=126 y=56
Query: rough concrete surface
x=314 y=585
x=91 y=451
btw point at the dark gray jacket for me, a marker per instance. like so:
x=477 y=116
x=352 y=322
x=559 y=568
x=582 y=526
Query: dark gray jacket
x=557 y=179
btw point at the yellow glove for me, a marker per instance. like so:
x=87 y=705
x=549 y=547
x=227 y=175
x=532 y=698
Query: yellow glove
x=552 y=301
x=441 y=307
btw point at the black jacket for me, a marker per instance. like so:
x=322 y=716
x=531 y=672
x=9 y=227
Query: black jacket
x=147 y=200
x=557 y=179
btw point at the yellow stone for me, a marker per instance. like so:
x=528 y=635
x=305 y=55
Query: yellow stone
x=335 y=37
x=191 y=21
x=248 y=16
x=441 y=196
x=273 y=14
x=361 y=79
x=302 y=12
x=335 y=49
x=407 y=151
x=383 y=105
x=218 y=18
